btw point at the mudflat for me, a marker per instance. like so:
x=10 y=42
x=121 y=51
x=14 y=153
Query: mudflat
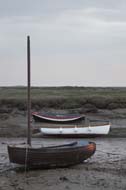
x=105 y=170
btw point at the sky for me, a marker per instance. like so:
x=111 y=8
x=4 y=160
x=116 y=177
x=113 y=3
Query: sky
x=73 y=42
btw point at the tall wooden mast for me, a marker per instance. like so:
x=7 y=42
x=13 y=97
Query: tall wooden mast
x=28 y=91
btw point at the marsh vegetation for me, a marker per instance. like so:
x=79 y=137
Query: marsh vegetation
x=63 y=97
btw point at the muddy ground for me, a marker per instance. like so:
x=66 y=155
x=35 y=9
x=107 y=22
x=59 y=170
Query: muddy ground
x=15 y=124
x=105 y=170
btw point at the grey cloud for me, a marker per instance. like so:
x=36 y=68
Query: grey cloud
x=87 y=36
x=41 y=7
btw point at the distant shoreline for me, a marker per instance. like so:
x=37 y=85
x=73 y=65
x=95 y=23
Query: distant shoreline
x=88 y=99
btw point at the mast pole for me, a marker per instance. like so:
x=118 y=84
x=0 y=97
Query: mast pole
x=28 y=91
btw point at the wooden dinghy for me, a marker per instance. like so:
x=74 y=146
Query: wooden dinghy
x=77 y=131
x=52 y=157
x=57 y=118
x=48 y=157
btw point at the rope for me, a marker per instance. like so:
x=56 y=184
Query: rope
x=110 y=153
x=25 y=174
x=26 y=159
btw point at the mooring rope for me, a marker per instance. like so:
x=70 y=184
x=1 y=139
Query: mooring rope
x=110 y=153
x=26 y=159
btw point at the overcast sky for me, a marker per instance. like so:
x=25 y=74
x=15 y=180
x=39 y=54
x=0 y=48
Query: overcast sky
x=73 y=42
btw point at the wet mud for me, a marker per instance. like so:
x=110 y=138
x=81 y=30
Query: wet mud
x=106 y=169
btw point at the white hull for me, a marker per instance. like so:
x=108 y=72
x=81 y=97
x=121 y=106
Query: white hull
x=91 y=130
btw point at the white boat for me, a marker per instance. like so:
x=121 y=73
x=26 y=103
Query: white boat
x=77 y=130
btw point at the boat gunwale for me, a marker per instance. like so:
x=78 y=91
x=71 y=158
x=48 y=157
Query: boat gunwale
x=64 y=148
x=57 y=118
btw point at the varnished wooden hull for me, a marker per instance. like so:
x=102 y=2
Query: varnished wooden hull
x=51 y=157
